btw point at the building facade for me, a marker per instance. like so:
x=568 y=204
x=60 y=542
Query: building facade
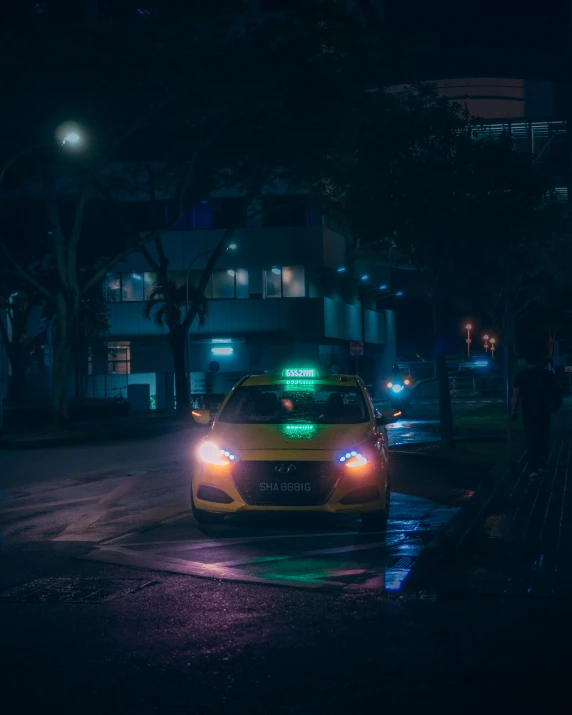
x=288 y=291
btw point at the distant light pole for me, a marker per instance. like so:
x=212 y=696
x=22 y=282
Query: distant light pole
x=486 y=339
x=2 y=348
x=468 y=328
x=493 y=347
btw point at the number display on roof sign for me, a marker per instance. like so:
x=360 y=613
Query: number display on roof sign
x=299 y=372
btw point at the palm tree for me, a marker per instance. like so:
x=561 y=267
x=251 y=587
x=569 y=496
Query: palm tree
x=166 y=306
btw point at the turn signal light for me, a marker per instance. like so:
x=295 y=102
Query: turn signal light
x=353 y=459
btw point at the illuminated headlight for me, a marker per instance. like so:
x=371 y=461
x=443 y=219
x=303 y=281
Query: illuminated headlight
x=353 y=459
x=397 y=388
x=211 y=454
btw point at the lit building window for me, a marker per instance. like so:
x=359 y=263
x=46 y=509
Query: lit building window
x=119 y=358
x=284 y=282
x=242 y=283
x=223 y=284
x=273 y=282
x=132 y=287
x=293 y=284
x=113 y=288
x=148 y=281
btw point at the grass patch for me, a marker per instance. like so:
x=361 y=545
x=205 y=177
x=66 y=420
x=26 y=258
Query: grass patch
x=468 y=453
x=488 y=418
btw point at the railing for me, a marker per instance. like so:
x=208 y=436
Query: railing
x=488 y=386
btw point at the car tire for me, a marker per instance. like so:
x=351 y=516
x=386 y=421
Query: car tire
x=377 y=520
x=205 y=517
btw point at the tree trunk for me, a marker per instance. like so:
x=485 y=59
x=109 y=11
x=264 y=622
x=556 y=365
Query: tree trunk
x=176 y=338
x=508 y=363
x=61 y=363
x=17 y=380
x=445 y=409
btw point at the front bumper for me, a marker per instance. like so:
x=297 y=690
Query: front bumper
x=256 y=486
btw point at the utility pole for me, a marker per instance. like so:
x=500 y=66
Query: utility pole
x=2 y=351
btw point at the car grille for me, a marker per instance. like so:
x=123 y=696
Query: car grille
x=278 y=484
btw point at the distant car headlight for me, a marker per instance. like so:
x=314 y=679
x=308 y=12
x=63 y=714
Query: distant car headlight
x=397 y=388
x=353 y=459
x=211 y=454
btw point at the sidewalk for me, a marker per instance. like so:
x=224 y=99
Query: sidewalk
x=525 y=546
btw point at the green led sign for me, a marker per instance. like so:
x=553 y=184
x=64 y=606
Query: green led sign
x=298 y=431
x=297 y=372
x=297 y=383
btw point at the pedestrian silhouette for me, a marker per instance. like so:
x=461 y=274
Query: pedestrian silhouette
x=536 y=390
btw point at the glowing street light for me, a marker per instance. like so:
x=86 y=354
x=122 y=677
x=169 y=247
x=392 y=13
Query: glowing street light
x=468 y=328
x=72 y=138
x=493 y=347
x=486 y=338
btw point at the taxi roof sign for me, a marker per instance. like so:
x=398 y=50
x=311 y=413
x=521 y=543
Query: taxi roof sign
x=300 y=372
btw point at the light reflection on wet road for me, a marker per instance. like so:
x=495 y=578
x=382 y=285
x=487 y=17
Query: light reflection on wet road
x=411 y=432
x=329 y=552
x=135 y=512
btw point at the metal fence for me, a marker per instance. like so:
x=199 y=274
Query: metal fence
x=487 y=386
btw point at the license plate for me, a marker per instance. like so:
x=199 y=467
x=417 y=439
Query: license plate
x=289 y=487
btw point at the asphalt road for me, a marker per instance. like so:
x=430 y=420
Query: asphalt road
x=113 y=600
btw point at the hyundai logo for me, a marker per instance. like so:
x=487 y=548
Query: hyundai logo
x=285 y=468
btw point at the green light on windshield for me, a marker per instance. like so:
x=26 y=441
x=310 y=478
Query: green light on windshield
x=299 y=431
x=299 y=372
x=300 y=382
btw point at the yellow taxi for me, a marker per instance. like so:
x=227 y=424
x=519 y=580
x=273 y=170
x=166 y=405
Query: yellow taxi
x=298 y=441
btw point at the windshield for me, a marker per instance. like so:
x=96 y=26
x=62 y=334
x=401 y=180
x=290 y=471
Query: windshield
x=299 y=404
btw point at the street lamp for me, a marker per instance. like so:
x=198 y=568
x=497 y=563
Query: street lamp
x=468 y=328
x=493 y=347
x=71 y=138
x=486 y=338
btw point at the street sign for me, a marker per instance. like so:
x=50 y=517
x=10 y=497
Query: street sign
x=568 y=368
x=356 y=349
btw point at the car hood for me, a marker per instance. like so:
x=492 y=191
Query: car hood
x=284 y=437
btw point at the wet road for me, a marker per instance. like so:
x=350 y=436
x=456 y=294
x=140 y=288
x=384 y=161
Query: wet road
x=128 y=504
x=136 y=514
x=112 y=599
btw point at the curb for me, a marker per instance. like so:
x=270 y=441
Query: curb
x=456 y=533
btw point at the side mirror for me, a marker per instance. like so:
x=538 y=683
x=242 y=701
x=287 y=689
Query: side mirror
x=388 y=417
x=203 y=417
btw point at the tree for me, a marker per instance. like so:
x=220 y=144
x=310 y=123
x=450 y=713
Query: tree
x=217 y=94
x=524 y=255
x=16 y=310
x=167 y=307
x=395 y=180
x=473 y=215
x=283 y=132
